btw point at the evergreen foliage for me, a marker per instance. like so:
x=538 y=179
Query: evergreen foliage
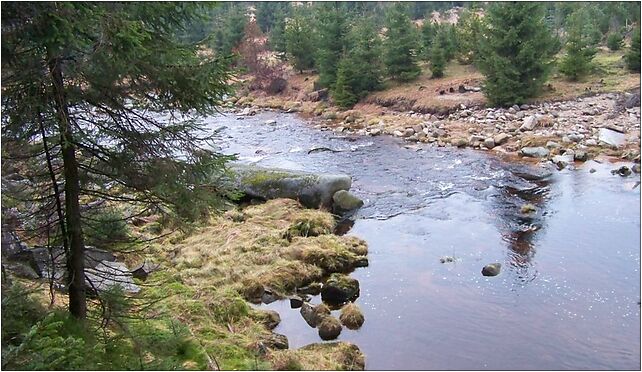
x=400 y=45
x=299 y=44
x=277 y=39
x=85 y=86
x=615 y=41
x=360 y=70
x=468 y=34
x=331 y=29
x=632 y=57
x=516 y=52
x=427 y=34
x=579 y=48
x=230 y=33
x=437 y=58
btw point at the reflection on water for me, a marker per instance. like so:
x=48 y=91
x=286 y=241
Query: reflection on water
x=567 y=296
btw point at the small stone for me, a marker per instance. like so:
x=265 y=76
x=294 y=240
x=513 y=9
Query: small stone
x=581 y=155
x=623 y=171
x=529 y=123
x=270 y=122
x=492 y=269
x=446 y=259
x=329 y=328
x=408 y=132
x=489 y=143
x=458 y=142
x=501 y=138
x=534 y=152
x=592 y=170
x=528 y=208
x=636 y=168
x=296 y=302
x=397 y=133
x=552 y=145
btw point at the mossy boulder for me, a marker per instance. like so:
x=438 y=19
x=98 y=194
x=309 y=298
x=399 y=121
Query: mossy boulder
x=340 y=288
x=329 y=328
x=344 y=201
x=351 y=316
x=311 y=190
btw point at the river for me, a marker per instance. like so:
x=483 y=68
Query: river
x=569 y=290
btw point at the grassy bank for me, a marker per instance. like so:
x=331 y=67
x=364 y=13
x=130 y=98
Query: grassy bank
x=194 y=312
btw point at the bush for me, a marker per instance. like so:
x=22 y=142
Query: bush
x=615 y=41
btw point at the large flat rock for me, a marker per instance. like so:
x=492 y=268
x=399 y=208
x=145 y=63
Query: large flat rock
x=310 y=189
x=611 y=137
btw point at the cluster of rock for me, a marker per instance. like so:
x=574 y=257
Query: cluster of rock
x=338 y=291
x=102 y=270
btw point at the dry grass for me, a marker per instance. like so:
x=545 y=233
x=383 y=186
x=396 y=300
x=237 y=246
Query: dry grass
x=351 y=316
x=209 y=275
x=325 y=356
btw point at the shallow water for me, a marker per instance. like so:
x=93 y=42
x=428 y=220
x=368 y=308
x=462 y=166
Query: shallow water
x=568 y=293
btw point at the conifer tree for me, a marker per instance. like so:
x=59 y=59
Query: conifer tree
x=579 y=49
x=468 y=33
x=331 y=30
x=277 y=40
x=632 y=57
x=299 y=44
x=428 y=31
x=229 y=36
x=87 y=87
x=400 y=45
x=343 y=92
x=437 y=58
x=516 y=52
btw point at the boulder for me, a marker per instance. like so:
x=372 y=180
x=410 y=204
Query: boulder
x=270 y=122
x=276 y=341
x=491 y=269
x=270 y=318
x=329 y=328
x=458 y=142
x=340 y=288
x=534 y=152
x=312 y=190
x=296 y=302
x=636 y=168
x=501 y=138
x=552 y=145
x=308 y=314
x=564 y=159
x=529 y=173
x=107 y=275
x=530 y=123
x=142 y=272
x=611 y=137
x=351 y=316
x=344 y=201
x=489 y=143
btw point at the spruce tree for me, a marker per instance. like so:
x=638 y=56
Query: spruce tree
x=516 y=52
x=298 y=41
x=400 y=45
x=468 y=33
x=615 y=41
x=428 y=32
x=331 y=29
x=277 y=39
x=365 y=52
x=87 y=87
x=343 y=92
x=579 y=49
x=437 y=58
x=632 y=57
x=229 y=36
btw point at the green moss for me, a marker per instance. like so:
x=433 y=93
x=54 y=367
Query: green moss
x=259 y=178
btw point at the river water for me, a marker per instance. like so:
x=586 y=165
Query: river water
x=569 y=290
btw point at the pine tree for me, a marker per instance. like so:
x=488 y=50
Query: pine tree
x=229 y=36
x=428 y=32
x=579 y=49
x=277 y=40
x=468 y=33
x=437 y=58
x=86 y=87
x=516 y=52
x=365 y=52
x=299 y=44
x=632 y=57
x=615 y=41
x=343 y=92
x=400 y=45
x=331 y=30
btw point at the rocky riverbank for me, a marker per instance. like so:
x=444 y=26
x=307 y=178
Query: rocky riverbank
x=581 y=128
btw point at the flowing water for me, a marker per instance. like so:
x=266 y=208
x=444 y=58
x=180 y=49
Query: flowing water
x=569 y=290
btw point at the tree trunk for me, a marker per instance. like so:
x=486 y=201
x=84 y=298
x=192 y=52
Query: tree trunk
x=76 y=254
